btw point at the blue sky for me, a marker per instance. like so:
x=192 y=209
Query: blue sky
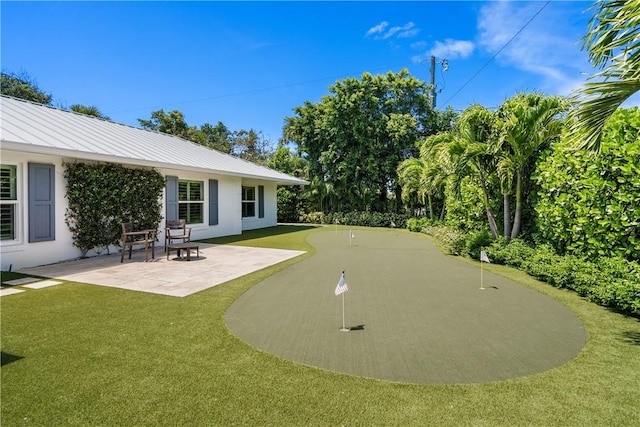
x=249 y=64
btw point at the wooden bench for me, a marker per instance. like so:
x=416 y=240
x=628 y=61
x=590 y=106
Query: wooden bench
x=187 y=247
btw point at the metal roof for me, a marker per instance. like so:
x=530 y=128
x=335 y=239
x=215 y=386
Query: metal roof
x=29 y=127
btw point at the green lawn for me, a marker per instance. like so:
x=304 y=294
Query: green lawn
x=77 y=354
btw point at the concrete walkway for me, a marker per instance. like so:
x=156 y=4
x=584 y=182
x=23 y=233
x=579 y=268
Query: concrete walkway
x=175 y=277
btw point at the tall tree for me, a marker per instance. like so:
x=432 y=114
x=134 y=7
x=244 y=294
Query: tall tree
x=218 y=137
x=172 y=123
x=471 y=152
x=424 y=177
x=530 y=123
x=613 y=45
x=290 y=197
x=355 y=137
x=23 y=86
x=250 y=145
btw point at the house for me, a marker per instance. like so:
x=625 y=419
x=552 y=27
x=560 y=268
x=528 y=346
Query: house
x=35 y=140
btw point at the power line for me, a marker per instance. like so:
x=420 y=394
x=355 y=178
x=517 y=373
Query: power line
x=498 y=52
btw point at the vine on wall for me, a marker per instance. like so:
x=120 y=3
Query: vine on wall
x=101 y=196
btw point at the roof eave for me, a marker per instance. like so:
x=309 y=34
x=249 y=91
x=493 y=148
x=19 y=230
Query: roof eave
x=83 y=155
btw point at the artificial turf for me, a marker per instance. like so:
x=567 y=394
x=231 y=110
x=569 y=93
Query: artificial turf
x=415 y=315
x=83 y=355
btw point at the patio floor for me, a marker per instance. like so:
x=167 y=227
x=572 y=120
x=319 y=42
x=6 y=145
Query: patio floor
x=174 y=276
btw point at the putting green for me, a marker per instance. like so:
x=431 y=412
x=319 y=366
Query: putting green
x=416 y=315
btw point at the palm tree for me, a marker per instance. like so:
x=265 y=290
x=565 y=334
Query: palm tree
x=530 y=123
x=471 y=151
x=425 y=176
x=613 y=44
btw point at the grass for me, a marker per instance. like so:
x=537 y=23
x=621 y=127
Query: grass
x=77 y=354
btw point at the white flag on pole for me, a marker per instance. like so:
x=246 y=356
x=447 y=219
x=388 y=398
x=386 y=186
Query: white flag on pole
x=342 y=285
x=353 y=236
x=484 y=257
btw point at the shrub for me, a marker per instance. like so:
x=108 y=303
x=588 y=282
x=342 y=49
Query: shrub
x=357 y=218
x=418 y=224
x=476 y=241
x=103 y=195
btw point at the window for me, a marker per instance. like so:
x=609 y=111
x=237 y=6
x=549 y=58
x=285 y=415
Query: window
x=8 y=202
x=191 y=201
x=248 y=202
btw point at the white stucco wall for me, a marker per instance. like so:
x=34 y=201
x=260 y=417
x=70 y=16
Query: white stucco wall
x=20 y=253
x=270 y=206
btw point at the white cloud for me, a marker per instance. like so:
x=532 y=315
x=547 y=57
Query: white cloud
x=452 y=49
x=377 y=28
x=548 y=46
x=380 y=31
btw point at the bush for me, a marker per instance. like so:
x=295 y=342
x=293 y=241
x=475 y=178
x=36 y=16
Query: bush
x=357 y=218
x=418 y=224
x=450 y=239
x=476 y=241
x=611 y=282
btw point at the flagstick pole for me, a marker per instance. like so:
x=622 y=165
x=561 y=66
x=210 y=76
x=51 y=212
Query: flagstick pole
x=343 y=327
x=481 y=281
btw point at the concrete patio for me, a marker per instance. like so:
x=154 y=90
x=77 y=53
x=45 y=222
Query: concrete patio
x=174 y=276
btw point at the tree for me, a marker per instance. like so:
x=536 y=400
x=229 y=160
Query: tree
x=355 y=137
x=88 y=110
x=530 y=123
x=290 y=197
x=471 y=153
x=218 y=137
x=613 y=45
x=424 y=177
x=24 y=87
x=172 y=123
x=251 y=146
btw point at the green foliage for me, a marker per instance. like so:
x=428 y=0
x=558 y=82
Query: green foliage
x=356 y=218
x=102 y=196
x=355 y=138
x=611 y=282
x=613 y=44
x=589 y=203
x=24 y=87
x=465 y=210
x=476 y=241
x=419 y=224
x=248 y=145
x=89 y=110
x=291 y=200
x=450 y=239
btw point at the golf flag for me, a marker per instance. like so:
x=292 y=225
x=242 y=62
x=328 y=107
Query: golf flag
x=484 y=257
x=353 y=236
x=393 y=224
x=342 y=285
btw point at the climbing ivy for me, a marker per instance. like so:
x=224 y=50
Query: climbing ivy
x=101 y=196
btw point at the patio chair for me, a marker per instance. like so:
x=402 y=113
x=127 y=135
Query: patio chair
x=131 y=238
x=176 y=230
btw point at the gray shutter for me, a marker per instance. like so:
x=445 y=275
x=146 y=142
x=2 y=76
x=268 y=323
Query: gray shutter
x=260 y=201
x=213 y=202
x=172 y=198
x=42 y=203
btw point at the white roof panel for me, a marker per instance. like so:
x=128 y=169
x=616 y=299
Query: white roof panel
x=26 y=126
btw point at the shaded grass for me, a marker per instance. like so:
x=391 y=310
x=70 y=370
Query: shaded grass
x=91 y=355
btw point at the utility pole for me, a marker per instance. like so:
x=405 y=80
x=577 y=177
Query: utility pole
x=433 y=83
